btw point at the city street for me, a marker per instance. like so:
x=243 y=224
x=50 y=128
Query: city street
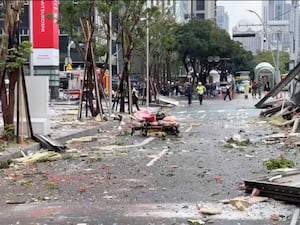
x=118 y=179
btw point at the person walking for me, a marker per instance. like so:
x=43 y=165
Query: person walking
x=200 y=91
x=228 y=88
x=246 y=89
x=254 y=89
x=135 y=99
x=260 y=86
x=189 y=93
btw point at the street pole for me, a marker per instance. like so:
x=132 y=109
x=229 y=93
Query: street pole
x=69 y=61
x=118 y=65
x=147 y=62
x=110 y=64
x=69 y=51
x=31 y=68
x=277 y=78
x=276 y=62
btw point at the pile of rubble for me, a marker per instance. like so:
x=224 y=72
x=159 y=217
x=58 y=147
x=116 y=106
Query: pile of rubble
x=280 y=106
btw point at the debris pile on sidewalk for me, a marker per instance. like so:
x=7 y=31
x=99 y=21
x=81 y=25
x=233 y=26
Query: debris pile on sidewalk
x=38 y=157
x=281 y=106
x=241 y=208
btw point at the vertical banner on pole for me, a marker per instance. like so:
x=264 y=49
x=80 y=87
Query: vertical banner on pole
x=45 y=32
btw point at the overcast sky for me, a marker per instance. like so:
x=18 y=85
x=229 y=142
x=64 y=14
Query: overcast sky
x=237 y=11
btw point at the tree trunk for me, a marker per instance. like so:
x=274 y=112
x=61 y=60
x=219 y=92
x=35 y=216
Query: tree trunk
x=11 y=22
x=168 y=67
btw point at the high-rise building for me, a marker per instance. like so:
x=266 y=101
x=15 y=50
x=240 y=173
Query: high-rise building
x=201 y=9
x=178 y=8
x=181 y=10
x=184 y=10
x=249 y=43
x=281 y=19
x=222 y=18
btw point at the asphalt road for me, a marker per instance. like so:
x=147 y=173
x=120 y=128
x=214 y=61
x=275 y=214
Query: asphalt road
x=136 y=180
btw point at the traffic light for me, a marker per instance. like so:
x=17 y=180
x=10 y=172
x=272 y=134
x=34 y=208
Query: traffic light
x=244 y=35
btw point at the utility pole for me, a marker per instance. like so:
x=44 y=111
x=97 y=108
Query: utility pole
x=275 y=61
x=110 y=64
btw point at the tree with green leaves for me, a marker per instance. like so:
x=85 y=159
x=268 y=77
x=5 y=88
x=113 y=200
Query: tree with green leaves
x=163 y=45
x=200 y=39
x=131 y=28
x=267 y=57
x=78 y=21
x=13 y=55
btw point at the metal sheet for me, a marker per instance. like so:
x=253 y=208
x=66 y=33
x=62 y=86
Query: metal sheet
x=281 y=186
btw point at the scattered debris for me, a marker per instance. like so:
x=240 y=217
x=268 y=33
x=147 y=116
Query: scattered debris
x=39 y=157
x=241 y=205
x=255 y=192
x=237 y=142
x=275 y=217
x=218 y=179
x=82 y=139
x=49 y=143
x=278 y=185
x=15 y=202
x=280 y=121
x=72 y=112
x=209 y=210
x=195 y=222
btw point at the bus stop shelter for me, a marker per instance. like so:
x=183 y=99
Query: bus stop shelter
x=265 y=71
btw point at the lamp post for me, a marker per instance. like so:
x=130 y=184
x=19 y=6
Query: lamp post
x=147 y=61
x=110 y=64
x=70 y=45
x=276 y=62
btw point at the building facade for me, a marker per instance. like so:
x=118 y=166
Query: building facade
x=222 y=18
x=281 y=19
x=187 y=9
x=249 y=43
x=203 y=9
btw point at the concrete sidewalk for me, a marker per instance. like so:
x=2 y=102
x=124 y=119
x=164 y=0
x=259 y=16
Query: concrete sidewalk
x=64 y=126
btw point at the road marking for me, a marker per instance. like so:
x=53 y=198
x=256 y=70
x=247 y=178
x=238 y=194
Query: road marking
x=188 y=129
x=202 y=116
x=201 y=111
x=146 y=141
x=221 y=110
x=157 y=157
x=114 y=147
x=182 y=112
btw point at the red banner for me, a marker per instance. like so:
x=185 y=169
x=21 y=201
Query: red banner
x=45 y=26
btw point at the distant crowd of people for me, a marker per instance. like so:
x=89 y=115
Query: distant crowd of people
x=210 y=90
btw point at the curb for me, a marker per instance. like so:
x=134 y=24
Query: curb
x=16 y=152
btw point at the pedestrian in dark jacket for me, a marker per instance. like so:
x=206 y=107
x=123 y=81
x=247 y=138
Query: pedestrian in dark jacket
x=135 y=99
x=227 y=92
x=189 y=93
